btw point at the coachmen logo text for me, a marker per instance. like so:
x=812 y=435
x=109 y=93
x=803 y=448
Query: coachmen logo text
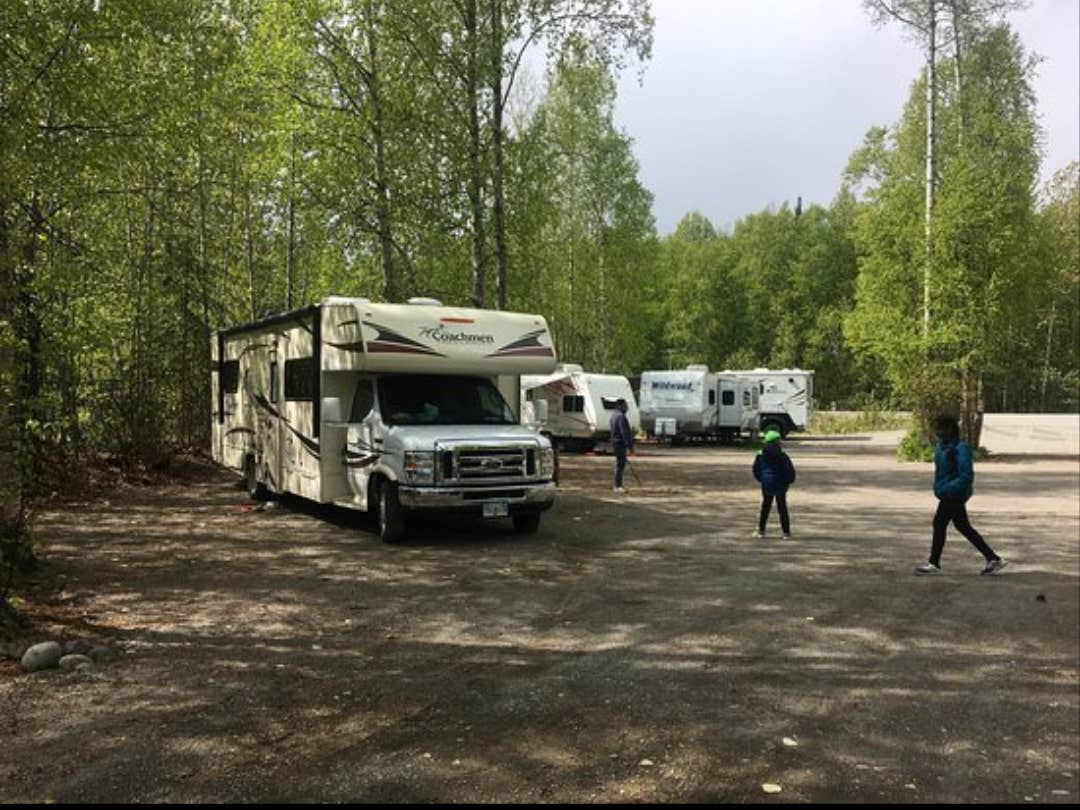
x=444 y=335
x=673 y=386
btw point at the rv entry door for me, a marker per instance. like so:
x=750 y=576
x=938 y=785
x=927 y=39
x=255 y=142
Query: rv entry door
x=730 y=405
x=272 y=427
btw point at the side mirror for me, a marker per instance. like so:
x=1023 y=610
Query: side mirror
x=540 y=411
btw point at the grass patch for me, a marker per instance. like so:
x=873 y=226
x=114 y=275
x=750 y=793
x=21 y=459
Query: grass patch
x=828 y=422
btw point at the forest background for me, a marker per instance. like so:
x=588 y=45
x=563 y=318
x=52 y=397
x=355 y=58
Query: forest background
x=171 y=167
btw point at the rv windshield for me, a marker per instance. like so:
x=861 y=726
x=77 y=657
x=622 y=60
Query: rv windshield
x=420 y=399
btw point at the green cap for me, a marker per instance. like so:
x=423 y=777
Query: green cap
x=771 y=436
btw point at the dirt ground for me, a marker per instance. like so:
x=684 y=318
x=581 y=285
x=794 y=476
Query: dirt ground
x=638 y=648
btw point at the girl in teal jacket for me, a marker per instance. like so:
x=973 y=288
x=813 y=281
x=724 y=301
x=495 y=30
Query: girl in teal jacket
x=954 y=478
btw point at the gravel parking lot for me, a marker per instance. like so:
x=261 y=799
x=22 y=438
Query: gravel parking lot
x=638 y=648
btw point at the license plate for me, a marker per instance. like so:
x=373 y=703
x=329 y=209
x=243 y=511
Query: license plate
x=496 y=509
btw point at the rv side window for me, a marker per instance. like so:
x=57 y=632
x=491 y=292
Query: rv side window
x=746 y=399
x=363 y=401
x=273 y=381
x=727 y=397
x=572 y=404
x=712 y=397
x=300 y=378
x=230 y=376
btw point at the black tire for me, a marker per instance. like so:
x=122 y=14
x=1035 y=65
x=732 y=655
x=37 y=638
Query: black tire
x=256 y=490
x=391 y=515
x=527 y=523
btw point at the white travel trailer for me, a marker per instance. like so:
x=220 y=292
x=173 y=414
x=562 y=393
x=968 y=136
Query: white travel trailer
x=786 y=396
x=694 y=403
x=579 y=404
x=392 y=408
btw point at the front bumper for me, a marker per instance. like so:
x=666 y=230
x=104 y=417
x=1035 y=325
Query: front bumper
x=522 y=498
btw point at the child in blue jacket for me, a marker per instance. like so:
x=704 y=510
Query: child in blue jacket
x=954 y=476
x=774 y=470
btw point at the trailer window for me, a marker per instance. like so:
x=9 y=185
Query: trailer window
x=230 y=376
x=727 y=397
x=273 y=381
x=572 y=404
x=746 y=399
x=300 y=379
x=363 y=401
x=712 y=397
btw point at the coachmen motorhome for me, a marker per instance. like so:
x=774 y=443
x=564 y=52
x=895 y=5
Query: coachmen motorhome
x=392 y=408
x=786 y=396
x=579 y=404
x=695 y=403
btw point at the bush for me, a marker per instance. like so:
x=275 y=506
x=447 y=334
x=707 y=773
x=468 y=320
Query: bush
x=864 y=422
x=915 y=447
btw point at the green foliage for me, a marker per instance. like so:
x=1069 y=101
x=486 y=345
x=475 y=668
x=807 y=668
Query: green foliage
x=168 y=168
x=984 y=289
x=915 y=447
x=173 y=166
x=865 y=421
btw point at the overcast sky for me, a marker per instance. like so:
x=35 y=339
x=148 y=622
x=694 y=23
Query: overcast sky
x=748 y=103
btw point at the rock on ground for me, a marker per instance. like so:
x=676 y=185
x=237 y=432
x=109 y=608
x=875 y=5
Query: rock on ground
x=70 y=662
x=42 y=656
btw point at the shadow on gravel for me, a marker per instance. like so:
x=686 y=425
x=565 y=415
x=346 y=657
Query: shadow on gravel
x=289 y=655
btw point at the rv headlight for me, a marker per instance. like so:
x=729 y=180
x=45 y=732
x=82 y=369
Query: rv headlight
x=547 y=462
x=419 y=467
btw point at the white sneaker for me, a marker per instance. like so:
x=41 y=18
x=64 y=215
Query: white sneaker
x=619 y=491
x=994 y=566
x=927 y=568
x=758 y=533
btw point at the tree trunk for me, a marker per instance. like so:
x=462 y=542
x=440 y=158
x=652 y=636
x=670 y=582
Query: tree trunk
x=476 y=203
x=958 y=76
x=384 y=220
x=931 y=114
x=1046 y=358
x=11 y=503
x=290 y=252
x=501 y=259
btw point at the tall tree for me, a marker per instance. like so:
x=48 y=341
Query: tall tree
x=981 y=237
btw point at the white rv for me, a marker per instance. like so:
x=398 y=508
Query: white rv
x=786 y=396
x=392 y=408
x=579 y=404
x=694 y=403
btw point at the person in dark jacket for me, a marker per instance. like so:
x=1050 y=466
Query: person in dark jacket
x=622 y=441
x=954 y=477
x=774 y=470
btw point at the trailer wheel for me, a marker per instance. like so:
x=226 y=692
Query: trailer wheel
x=256 y=489
x=527 y=523
x=391 y=516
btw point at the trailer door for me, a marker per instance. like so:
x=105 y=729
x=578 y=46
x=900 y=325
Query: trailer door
x=730 y=408
x=271 y=426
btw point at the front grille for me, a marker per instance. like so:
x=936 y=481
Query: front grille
x=486 y=465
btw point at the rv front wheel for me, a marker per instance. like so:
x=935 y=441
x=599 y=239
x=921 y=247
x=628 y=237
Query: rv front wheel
x=391 y=517
x=528 y=523
x=256 y=490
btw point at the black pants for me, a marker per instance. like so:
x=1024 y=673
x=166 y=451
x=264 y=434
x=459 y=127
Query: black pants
x=620 y=463
x=956 y=512
x=781 y=507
